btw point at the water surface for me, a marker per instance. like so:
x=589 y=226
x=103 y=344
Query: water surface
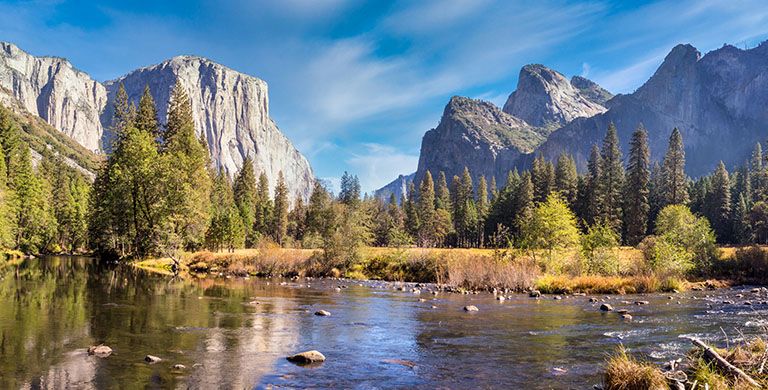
x=236 y=332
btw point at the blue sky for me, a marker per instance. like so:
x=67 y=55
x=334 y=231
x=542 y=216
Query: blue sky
x=356 y=84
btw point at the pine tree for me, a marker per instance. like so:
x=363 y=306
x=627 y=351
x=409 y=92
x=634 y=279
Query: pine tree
x=759 y=175
x=674 y=184
x=482 y=209
x=245 y=195
x=742 y=231
x=190 y=181
x=7 y=224
x=442 y=193
x=225 y=229
x=319 y=203
x=297 y=219
x=543 y=176
x=412 y=222
x=426 y=212
x=124 y=114
x=36 y=224
x=263 y=211
x=718 y=204
x=350 y=190
x=524 y=203
x=566 y=178
x=465 y=210
x=146 y=115
x=280 y=216
x=593 y=203
x=636 y=190
x=611 y=180
x=494 y=189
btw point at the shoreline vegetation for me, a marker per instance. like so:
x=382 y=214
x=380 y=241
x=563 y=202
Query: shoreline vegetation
x=738 y=366
x=459 y=269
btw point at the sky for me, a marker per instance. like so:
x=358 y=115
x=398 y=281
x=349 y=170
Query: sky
x=356 y=84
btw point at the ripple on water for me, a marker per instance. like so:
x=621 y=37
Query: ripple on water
x=668 y=350
x=623 y=334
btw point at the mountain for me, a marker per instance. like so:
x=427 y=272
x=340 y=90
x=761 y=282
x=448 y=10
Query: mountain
x=719 y=102
x=545 y=98
x=230 y=108
x=399 y=187
x=477 y=135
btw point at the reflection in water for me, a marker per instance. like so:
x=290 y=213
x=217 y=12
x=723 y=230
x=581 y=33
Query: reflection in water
x=235 y=333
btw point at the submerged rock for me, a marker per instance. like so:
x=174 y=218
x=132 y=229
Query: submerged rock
x=100 y=350
x=471 y=308
x=179 y=367
x=626 y=317
x=606 y=307
x=152 y=359
x=307 y=357
x=534 y=294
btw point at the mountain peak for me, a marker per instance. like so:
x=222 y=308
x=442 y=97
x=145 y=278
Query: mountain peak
x=544 y=98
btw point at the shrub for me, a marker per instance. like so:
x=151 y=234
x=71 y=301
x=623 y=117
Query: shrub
x=624 y=372
x=551 y=227
x=683 y=243
x=598 y=247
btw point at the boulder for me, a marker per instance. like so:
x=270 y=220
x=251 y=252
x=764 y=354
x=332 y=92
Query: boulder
x=307 y=357
x=152 y=359
x=641 y=302
x=322 y=313
x=534 y=294
x=179 y=367
x=626 y=317
x=471 y=308
x=100 y=350
x=606 y=307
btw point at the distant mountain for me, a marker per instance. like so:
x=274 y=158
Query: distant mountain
x=398 y=187
x=718 y=101
x=230 y=108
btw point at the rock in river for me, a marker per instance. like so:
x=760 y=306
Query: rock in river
x=626 y=317
x=534 y=294
x=606 y=307
x=307 y=357
x=471 y=308
x=322 y=313
x=179 y=367
x=100 y=350
x=152 y=359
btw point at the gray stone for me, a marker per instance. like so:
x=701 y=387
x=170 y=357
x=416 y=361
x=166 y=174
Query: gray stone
x=322 y=313
x=606 y=307
x=471 y=308
x=307 y=357
x=100 y=350
x=152 y=359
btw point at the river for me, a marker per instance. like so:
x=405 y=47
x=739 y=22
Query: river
x=235 y=333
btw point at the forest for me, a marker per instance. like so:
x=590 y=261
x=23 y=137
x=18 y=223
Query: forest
x=158 y=194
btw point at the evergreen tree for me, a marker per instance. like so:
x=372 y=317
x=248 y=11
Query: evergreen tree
x=263 y=211
x=566 y=179
x=426 y=212
x=36 y=223
x=442 y=193
x=611 y=180
x=226 y=229
x=524 y=201
x=146 y=116
x=350 y=190
x=319 y=204
x=543 y=176
x=637 y=188
x=759 y=175
x=245 y=197
x=464 y=210
x=410 y=207
x=7 y=224
x=674 y=184
x=742 y=230
x=494 y=189
x=280 y=216
x=718 y=204
x=124 y=114
x=297 y=219
x=482 y=209
x=593 y=203
x=190 y=182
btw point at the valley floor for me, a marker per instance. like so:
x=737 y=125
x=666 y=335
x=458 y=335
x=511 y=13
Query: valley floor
x=461 y=269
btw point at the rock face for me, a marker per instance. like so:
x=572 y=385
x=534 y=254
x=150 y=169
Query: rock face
x=54 y=90
x=398 y=187
x=718 y=102
x=231 y=109
x=477 y=135
x=545 y=98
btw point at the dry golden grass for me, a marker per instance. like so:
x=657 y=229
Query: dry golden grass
x=624 y=372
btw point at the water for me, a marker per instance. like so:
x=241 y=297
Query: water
x=235 y=333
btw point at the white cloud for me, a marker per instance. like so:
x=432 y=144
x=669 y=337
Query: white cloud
x=377 y=164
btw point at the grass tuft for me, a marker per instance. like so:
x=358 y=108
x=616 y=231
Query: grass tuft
x=624 y=372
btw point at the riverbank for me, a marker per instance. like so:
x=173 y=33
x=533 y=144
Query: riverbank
x=466 y=269
x=741 y=366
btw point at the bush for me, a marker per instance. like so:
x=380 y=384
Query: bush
x=683 y=243
x=552 y=227
x=749 y=264
x=598 y=247
x=626 y=373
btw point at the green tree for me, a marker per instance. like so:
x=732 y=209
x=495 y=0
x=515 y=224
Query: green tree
x=637 y=188
x=543 y=176
x=718 y=203
x=611 y=180
x=426 y=212
x=146 y=115
x=758 y=174
x=464 y=210
x=684 y=242
x=226 y=228
x=758 y=222
x=410 y=206
x=36 y=224
x=442 y=193
x=7 y=223
x=674 y=182
x=280 y=216
x=566 y=179
x=742 y=230
x=598 y=247
x=592 y=202
x=245 y=196
x=552 y=228
x=263 y=212
x=350 y=190
x=189 y=183
x=124 y=114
